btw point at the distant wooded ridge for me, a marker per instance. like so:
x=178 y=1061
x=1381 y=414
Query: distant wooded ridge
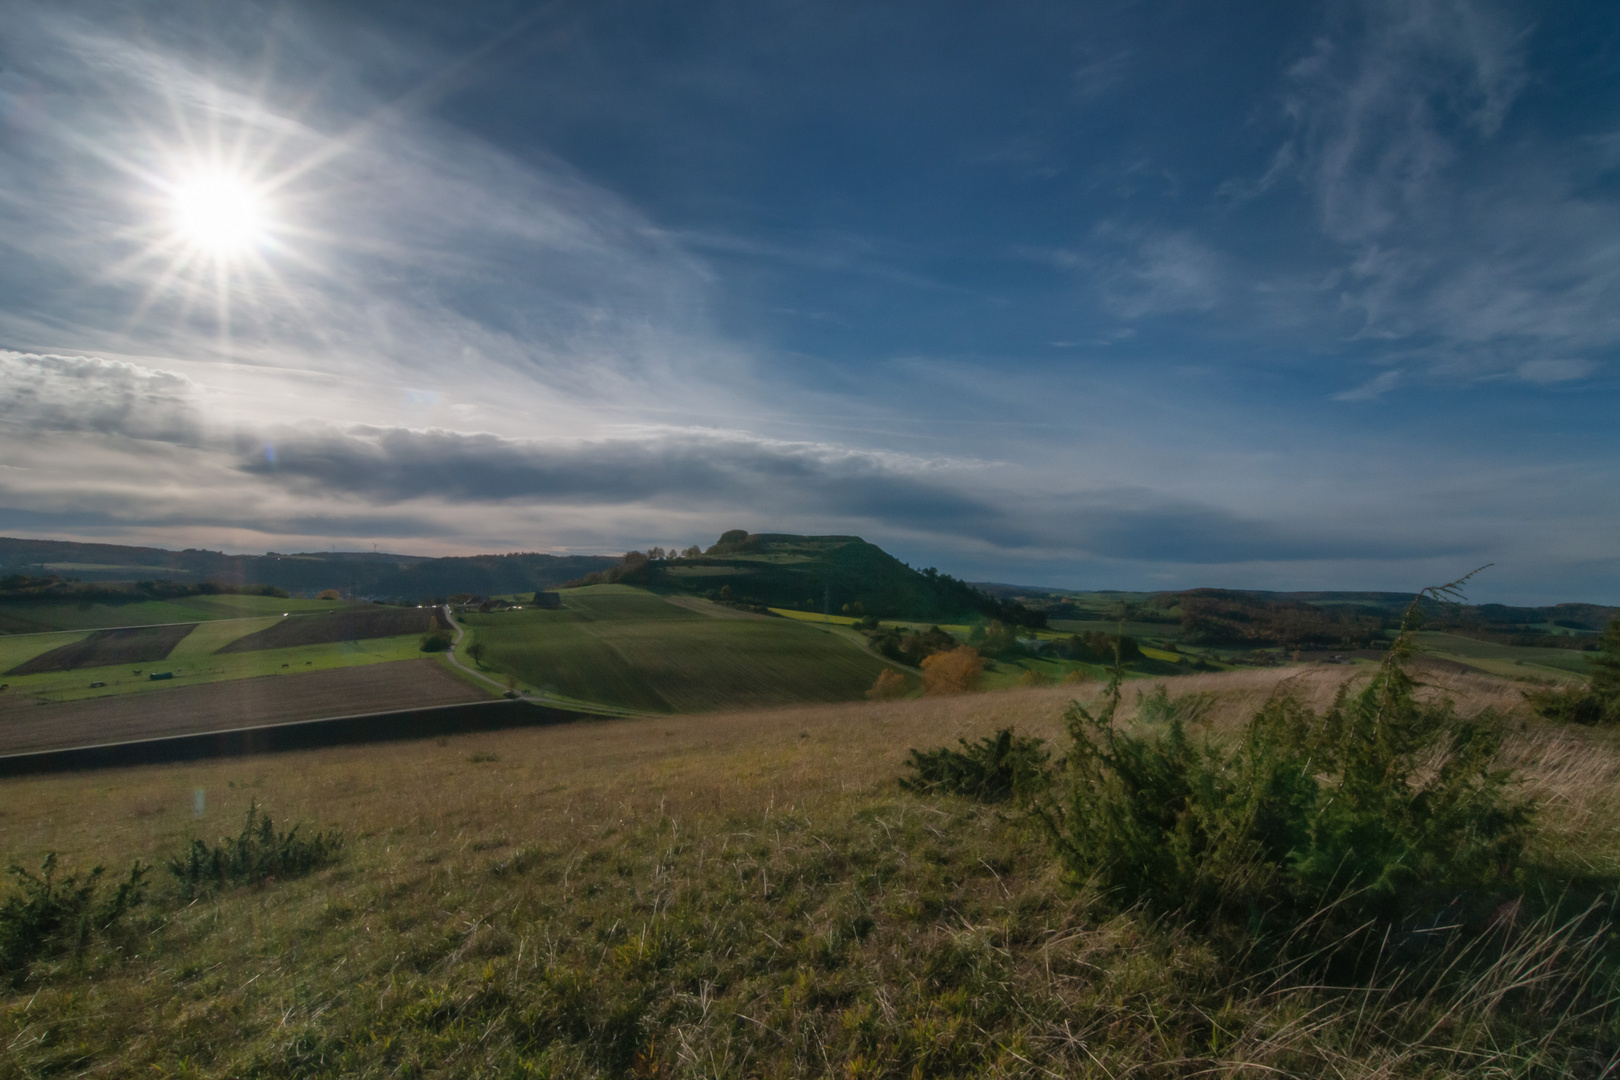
x=356 y=574
x=834 y=574
x=1320 y=619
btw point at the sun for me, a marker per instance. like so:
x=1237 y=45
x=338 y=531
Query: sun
x=220 y=214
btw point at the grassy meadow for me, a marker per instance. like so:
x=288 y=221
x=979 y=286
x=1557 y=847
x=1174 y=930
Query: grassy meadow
x=631 y=649
x=750 y=893
x=1509 y=661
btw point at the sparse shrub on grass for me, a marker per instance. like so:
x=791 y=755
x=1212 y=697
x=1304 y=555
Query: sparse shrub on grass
x=1034 y=677
x=989 y=770
x=257 y=854
x=955 y=672
x=50 y=915
x=1385 y=806
x=890 y=684
x=824 y=925
x=1574 y=705
x=1598 y=701
x=1156 y=707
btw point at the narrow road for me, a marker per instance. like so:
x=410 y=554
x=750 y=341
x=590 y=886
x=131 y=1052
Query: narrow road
x=450 y=653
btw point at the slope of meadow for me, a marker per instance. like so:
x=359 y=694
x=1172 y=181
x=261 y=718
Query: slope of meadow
x=748 y=894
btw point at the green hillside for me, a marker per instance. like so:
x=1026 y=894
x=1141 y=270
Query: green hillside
x=837 y=574
x=623 y=646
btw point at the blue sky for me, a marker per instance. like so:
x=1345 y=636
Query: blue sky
x=1091 y=295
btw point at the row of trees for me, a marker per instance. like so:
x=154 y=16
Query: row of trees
x=55 y=587
x=1217 y=617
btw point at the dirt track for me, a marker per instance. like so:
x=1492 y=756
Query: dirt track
x=269 y=699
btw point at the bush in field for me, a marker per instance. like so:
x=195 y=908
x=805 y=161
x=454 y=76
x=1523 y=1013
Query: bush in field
x=1381 y=804
x=1156 y=707
x=1384 y=806
x=990 y=770
x=51 y=916
x=890 y=684
x=256 y=854
x=1598 y=702
x=1574 y=705
x=437 y=638
x=1034 y=677
x=955 y=672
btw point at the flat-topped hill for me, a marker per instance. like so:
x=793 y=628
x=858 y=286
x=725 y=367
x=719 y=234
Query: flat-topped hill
x=829 y=574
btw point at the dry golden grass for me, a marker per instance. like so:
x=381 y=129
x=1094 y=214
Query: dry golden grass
x=716 y=761
x=486 y=875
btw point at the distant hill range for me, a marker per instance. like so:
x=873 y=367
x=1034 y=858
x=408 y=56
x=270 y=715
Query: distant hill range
x=370 y=575
x=834 y=574
x=840 y=574
x=1257 y=618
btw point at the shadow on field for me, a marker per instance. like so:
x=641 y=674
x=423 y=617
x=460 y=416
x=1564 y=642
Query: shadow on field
x=299 y=735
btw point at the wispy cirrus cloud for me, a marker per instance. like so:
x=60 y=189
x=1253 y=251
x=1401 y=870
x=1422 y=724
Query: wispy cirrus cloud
x=1466 y=233
x=1374 y=388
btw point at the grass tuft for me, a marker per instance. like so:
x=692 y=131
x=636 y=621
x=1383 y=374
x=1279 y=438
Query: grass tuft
x=255 y=855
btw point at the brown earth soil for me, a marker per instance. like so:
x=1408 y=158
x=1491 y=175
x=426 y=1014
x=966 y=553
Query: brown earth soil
x=269 y=699
x=134 y=645
x=377 y=622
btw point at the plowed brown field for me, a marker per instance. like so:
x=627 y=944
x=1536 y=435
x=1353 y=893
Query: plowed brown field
x=220 y=706
x=378 y=622
x=134 y=645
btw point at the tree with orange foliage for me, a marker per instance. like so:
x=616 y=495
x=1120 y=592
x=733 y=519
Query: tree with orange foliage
x=955 y=672
x=890 y=684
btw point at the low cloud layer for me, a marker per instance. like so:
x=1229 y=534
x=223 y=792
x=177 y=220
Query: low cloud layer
x=371 y=471
x=89 y=394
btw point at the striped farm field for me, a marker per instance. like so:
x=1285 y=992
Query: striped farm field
x=352 y=625
x=188 y=668
x=629 y=648
x=133 y=645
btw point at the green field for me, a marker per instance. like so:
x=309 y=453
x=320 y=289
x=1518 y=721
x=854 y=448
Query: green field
x=1161 y=631
x=628 y=648
x=190 y=668
x=1513 y=661
x=209 y=637
x=29 y=617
